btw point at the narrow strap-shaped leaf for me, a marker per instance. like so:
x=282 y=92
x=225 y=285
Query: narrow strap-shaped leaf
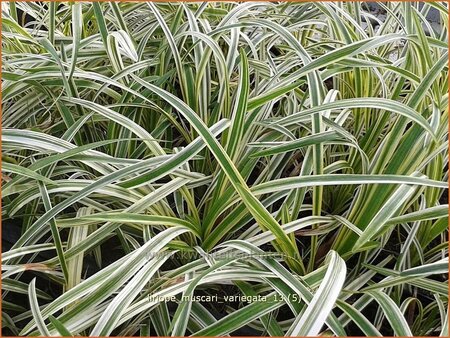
x=281 y=147
x=421 y=215
x=19 y=170
x=312 y=320
x=55 y=232
x=359 y=319
x=77 y=28
x=392 y=314
x=62 y=330
x=241 y=317
x=124 y=217
x=117 y=307
x=35 y=309
x=440 y=267
x=240 y=107
x=394 y=203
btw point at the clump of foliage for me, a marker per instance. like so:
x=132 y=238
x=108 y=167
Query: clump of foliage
x=291 y=153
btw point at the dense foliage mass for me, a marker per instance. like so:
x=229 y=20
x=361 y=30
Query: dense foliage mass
x=160 y=158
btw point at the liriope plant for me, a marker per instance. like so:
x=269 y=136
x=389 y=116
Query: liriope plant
x=205 y=169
